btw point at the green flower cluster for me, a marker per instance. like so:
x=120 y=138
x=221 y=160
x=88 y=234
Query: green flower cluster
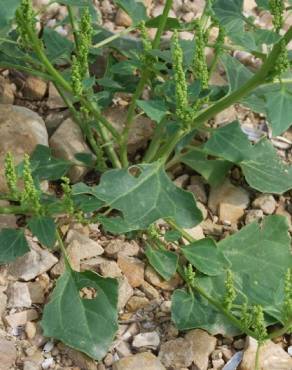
x=200 y=68
x=181 y=89
x=287 y=309
x=190 y=276
x=10 y=174
x=25 y=20
x=282 y=64
x=230 y=294
x=277 y=8
x=67 y=195
x=30 y=197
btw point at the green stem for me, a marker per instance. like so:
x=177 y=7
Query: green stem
x=141 y=85
x=73 y=25
x=257 y=357
x=17 y=210
x=114 y=37
x=184 y=233
x=154 y=144
x=63 y=250
x=282 y=331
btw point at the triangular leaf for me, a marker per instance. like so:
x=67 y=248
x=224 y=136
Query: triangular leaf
x=163 y=261
x=229 y=14
x=134 y=8
x=237 y=73
x=146 y=196
x=155 y=109
x=44 y=229
x=13 y=244
x=87 y=325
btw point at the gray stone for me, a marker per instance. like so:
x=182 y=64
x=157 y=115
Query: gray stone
x=21 y=318
x=34 y=88
x=176 y=353
x=149 y=340
x=253 y=215
x=65 y=142
x=266 y=202
x=144 y=360
x=24 y=294
x=7 y=354
x=125 y=292
x=122 y=19
x=6 y=92
x=54 y=100
x=21 y=130
x=34 y=263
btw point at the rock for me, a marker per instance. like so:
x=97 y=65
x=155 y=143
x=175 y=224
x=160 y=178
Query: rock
x=218 y=364
x=54 y=119
x=153 y=278
x=233 y=363
x=65 y=142
x=150 y=340
x=110 y=269
x=30 y=365
x=21 y=318
x=6 y=92
x=7 y=354
x=34 y=88
x=239 y=344
x=197 y=187
x=125 y=292
x=24 y=294
x=133 y=269
x=144 y=360
x=266 y=203
x=32 y=264
x=176 y=353
x=253 y=215
x=141 y=130
x=229 y=201
x=149 y=290
x=118 y=246
x=79 y=359
x=210 y=228
x=181 y=181
x=203 y=209
x=196 y=232
x=122 y=19
x=123 y=349
x=136 y=303
x=272 y=357
x=7 y=221
x=3 y=302
x=21 y=130
x=226 y=116
x=203 y=344
x=30 y=330
x=54 y=100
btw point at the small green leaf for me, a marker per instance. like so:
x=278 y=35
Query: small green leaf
x=155 y=109
x=44 y=229
x=88 y=325
x=171 y=23
x=144 y=194
x=279 y=109
x=57 y=46
x=263 y=4
x=213 y=170
x=86 y=158
x=206 y=257
x=229 y=14
x=13 y=244
x=191 y=311
x=172 y=236
x=134 y=8
x=163 y=261
x=7 y=12
x=260 y=163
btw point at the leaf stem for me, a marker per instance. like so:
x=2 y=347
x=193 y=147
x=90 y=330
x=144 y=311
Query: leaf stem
x=141 y=85
x=114 y=37
x=257 y=357
x=184 y=233
x=63 y=250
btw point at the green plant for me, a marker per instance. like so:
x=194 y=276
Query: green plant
x=237 y=284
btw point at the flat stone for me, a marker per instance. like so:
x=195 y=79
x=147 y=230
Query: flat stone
x=144 y=360
x=7 y=354
x=118 y=246
x=229 y=200
x=253 y=215
x=6 y=92
x=197 y=187
x=21 y=130
x=136 y=303
x=149 y=290
x=203 y=344
x=226 y=116
x=133 y=269
x=196 y=232
x=65 y=142
x=21 y=318
x=110 y=269
x=272 y=356
x=32 y=264
x=153 y=278
x=79 y=358
x=176 y=353
x=149 y=340
x=125 y=292
x=266 y=202
x=122 y=19
x=34 y=88
x=55 y=101
x=24 y=294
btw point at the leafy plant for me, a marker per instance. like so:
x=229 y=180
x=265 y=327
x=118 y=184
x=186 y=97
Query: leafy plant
x=238 y=284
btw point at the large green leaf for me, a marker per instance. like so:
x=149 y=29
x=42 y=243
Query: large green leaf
x=44 y=229
x=279 y=109
x=213 y=170
x=237 y=73
x=155 y=109
x=87 y=325
x=206 y=257
x=260 y=257
x=163 y=261
x=260 y=163
x=229 y=14
x=134 y=8
x=13 y=244
x=57 y=47
x=146 y=196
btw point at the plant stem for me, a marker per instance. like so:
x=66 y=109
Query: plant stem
x=281 y=331
x=114 y=37
x=73 y=25
x=18 y=210
x=141 y=85
x=257 y=357
x=184 y=233
x=63 y=250
x=234 y=97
